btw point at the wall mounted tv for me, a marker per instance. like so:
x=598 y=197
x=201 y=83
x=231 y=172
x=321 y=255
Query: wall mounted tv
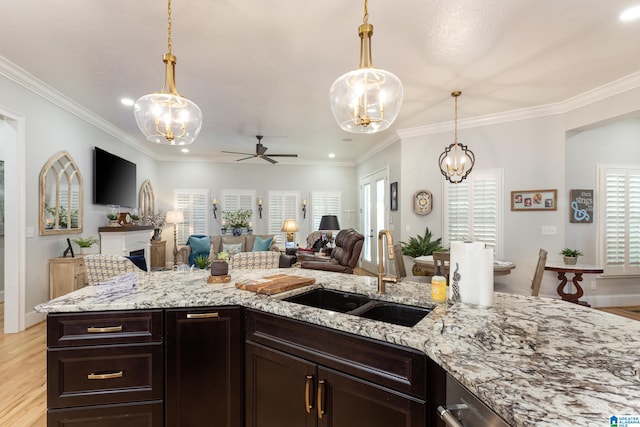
x=114 y=180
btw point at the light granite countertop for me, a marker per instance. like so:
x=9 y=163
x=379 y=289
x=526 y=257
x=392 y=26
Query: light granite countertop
x=535 y=361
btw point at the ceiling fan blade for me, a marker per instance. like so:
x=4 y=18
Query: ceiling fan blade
x=236 y=152
x=283 y=155
x=245 y=158
x=270 y=160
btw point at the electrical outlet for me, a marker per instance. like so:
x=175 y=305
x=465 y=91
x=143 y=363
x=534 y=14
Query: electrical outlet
x=29 y=232
x=594 y=285
x=549 y=230
x=407 y=227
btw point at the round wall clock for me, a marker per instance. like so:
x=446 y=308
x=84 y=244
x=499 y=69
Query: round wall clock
x=422 y=202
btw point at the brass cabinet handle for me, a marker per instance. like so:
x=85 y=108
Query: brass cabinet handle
x=202 y=315
x=107 y=376
x=94 y=330
x=308 y=406
x=320 y=398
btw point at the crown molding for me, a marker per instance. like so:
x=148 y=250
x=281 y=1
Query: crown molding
x=387 y=142
x=22 y=77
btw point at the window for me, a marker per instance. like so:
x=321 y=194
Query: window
x=195 y=207
x=619 y=219
x=324 y=203
x=473 y=209
x=233 y=200
x=282 y=205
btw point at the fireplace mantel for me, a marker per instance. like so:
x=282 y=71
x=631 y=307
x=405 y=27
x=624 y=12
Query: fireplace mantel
x=126 y=240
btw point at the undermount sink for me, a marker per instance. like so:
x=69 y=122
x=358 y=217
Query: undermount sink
x=362 y=306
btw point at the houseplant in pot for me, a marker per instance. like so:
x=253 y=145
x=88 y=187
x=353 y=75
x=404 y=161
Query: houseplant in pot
x=85 y=243
x=421 y=246
x=237 y=220
x=570 y=256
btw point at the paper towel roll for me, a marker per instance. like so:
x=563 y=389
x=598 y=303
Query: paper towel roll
x=474 y=265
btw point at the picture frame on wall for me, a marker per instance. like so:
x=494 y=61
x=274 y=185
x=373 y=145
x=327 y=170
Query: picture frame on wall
x=393 y=191
x=534 y=200
x=581 y=206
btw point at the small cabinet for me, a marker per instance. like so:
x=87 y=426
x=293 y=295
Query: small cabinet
x=203 y=374
x=105 y=369
x=298 y=374
x=158 y=254
x=66 y=274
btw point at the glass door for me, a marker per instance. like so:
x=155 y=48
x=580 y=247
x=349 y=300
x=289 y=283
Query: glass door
x=373 y=196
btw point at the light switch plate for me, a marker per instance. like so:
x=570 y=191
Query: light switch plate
x=29 y=232
x=549 y=230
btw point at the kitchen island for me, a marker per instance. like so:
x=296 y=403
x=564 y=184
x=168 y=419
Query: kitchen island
x=534 y=361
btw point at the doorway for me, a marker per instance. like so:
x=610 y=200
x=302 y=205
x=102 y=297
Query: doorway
x=12 y=138
x=373 y=197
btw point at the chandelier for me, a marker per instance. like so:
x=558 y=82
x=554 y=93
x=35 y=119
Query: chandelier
x=457 y=160
x=166 y=117
x=368 y=99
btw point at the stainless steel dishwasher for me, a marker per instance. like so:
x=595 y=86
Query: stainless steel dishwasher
x=464 y=409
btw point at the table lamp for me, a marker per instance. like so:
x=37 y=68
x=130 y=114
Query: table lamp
x=175 y=217
x=329 y=223
x=289 y=226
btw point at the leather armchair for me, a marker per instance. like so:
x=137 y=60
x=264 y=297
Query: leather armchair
x=344 y=257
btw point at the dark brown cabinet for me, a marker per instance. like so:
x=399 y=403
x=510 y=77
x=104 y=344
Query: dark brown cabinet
x=298 y=374
x=203 y=374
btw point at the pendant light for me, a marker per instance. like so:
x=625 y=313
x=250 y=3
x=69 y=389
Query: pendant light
x=166 y=117
x=457 y=160
x=368 y=99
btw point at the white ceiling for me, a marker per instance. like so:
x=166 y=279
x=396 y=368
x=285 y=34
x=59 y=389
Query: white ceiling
x=266 y=66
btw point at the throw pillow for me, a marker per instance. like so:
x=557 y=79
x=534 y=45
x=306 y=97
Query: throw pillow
x=261 y=244
x=199 y=244
x=232 y=248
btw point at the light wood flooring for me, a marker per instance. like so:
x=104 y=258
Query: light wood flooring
x=23 y=375
x=23 y=364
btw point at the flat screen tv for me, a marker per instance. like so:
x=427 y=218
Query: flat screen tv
x=114 y=180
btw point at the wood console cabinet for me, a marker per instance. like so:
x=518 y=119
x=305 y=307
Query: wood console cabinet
x=298 y=374
x=204 y=367
x=66 y=274
x=105 y=369
x=158 y=254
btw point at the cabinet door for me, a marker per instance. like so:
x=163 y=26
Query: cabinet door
x=128 y=415
x=203 y=367
x=346 y=401
x=280 y=389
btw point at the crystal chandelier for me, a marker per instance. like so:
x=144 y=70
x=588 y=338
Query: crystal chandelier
x=457 y=160
x=368 y=99
x=166 y=117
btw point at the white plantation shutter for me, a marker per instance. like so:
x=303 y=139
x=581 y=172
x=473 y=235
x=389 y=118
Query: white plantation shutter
x=233 y=200
x=619 y=219
x=473 y=209
x=324 y=203
x=282 y=205
x=194 y=205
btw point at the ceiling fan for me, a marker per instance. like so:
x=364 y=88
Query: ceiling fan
x=260 y=152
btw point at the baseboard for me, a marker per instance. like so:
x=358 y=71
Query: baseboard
x=33 y=318
x=613 y=300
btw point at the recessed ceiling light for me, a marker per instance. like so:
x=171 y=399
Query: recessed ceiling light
x=332 y=155
x=127 y=101
x=185 y=150
x=630 y=14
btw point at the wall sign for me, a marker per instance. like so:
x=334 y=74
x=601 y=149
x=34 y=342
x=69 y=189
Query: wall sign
x=581 y=206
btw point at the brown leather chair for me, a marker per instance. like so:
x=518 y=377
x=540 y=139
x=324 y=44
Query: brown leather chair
x=344 y=257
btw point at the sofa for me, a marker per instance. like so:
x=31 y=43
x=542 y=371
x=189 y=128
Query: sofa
x=211 y=246
x=344 y=257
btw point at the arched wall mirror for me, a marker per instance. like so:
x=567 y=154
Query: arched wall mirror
x=146 y=200
x=61 y=196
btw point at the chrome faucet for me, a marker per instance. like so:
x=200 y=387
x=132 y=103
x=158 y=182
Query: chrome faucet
x=382 y=279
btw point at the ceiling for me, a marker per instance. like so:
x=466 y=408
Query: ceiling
x=265 y=67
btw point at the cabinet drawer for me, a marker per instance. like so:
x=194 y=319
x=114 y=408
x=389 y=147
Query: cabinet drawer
x=400 y=368
x=97 y=328
x=118 y=415
x=104 y=374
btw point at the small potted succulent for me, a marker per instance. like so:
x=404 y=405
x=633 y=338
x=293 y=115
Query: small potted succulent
x=85 y=243
x=202 y=262
x=570 y=256
x=113 y=212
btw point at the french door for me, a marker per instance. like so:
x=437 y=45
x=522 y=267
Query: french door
x=373 y=197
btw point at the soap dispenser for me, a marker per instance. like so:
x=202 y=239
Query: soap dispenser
x=438 y=286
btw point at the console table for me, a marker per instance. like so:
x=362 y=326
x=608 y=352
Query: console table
x=578 y=270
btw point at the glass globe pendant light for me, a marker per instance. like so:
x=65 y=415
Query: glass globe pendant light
x=166 y=117
x=456 y=161
x=368 y=99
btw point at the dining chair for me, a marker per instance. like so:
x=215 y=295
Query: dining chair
x=101 y=267
x=441 y=259
x=537 y=275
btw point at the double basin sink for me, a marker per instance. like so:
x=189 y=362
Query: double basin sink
x=362 y=306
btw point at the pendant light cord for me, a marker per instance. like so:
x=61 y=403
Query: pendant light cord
x=366 y=12
x=169 y=43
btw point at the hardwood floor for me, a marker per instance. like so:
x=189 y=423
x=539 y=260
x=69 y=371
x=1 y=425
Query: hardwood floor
x=23 y=375
x=632 y=312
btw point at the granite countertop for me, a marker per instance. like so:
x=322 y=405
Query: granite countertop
x=535 y=361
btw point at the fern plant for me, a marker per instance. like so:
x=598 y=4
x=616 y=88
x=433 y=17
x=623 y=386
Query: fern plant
x=421 y=245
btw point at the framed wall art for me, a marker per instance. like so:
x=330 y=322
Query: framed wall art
x=581 y=206
x=394 y=196
x=534 y=200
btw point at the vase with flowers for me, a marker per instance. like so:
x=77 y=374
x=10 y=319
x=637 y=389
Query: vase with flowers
x=237 y=220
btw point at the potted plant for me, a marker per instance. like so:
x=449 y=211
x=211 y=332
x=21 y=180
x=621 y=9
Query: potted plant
x=421 y=246
x=85 y=243
x=237 y=220
x=202 y=261
x=570 y=256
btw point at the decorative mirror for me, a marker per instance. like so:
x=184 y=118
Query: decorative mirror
x=146 y=200
x=61 y=196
